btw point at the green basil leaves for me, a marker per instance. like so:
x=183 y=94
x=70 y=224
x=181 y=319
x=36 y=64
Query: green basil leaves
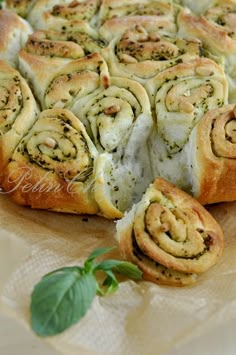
x=63 y=296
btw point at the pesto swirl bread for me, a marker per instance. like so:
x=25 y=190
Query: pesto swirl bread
x=111 y=9
x=63 y=12
x=66 y=81
x=119 y=121
x=53 y=166
x=216 y=29
x=181 y=95
x=18 y=111
x=210 y=155
x=140 y=54
x=14 y=33
x=170 y=236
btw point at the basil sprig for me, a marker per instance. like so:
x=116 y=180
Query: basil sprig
x=63 y=296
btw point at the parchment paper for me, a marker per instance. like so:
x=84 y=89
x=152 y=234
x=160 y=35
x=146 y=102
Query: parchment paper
x=141 y=318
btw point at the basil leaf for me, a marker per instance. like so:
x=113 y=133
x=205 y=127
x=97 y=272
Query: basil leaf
x=98 y=252
x=128 y=269
x=107 y=264
x=111 y=283
x=61 y=299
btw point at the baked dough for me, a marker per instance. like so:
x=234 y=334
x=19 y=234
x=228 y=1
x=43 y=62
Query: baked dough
x=170 y=236
x=18 y=112
x=53 y=166
x=14 y=34
x=210 y=155
x=66 y=81
x=216 y=29
x=140 y=54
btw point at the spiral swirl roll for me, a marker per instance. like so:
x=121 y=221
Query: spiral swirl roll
x=210 y=155
x=66 y=81
x=170 y=236
x=52 y=167
x=182 y=94
x=141 y=54
x=110 y=113
x=18 y=111
x=70 y=43
x=59 y=12
x=112 y=8
x=216 y=29
x=119 y=121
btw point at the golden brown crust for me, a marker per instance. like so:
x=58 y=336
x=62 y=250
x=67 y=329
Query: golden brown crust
x=41 y=44
x=59 y=87
x=140 y=54
x=18 y=111
x=158 y=8
x=14 y=32
x=216 y=38
x=171 y=228
x=117 y=26
x=212 y=153
x=52 y=167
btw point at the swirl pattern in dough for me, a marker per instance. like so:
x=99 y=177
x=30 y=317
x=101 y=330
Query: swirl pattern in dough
x=141 y=54
x=170 y=236
x=119 y=121
x=216 y=29
x=53 y=165
x=182 y=94
x=211 y=154
x=18 y=111
x=66 y=81
x=112 y=9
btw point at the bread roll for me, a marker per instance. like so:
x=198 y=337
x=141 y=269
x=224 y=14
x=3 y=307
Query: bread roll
x=18 y=112
x=170 y=236
x=112 y=8
x=119 y=121
x=14 y=33
x=53 y=166
x=216 y=29
x=181 y=95
x=210 y=155
x=65 y=81
x=63 y=12
x=140 y=54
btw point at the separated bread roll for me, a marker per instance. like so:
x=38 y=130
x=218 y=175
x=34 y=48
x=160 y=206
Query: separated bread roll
x=140 y=54
x=18 y=112
x=53 y=166
x=210 y=155
x=181 y=95
x=216 y=29
x=170 y=236
x=65 y=82
x=14 y=33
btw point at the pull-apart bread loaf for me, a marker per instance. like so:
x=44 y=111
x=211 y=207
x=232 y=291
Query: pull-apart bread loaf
x=106 y=96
